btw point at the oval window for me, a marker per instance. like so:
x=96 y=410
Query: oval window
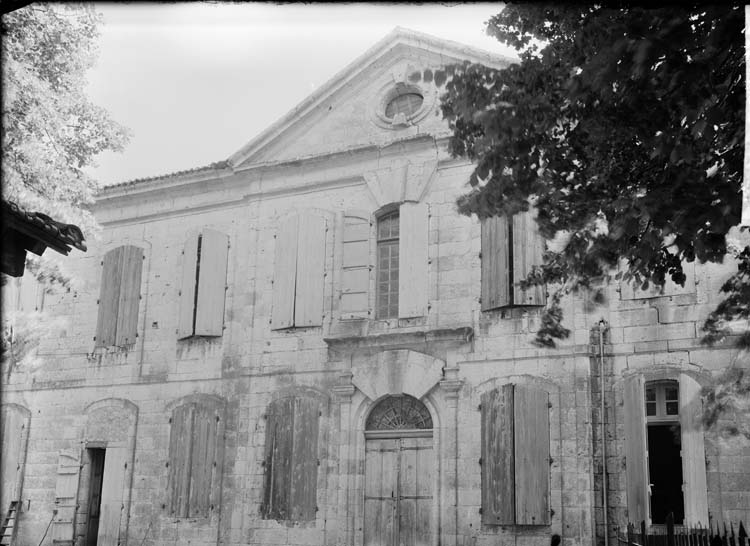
x=406 y=103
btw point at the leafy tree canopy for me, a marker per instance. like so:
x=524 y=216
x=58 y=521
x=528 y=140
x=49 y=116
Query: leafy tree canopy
x=51 y=129
x=625 y=127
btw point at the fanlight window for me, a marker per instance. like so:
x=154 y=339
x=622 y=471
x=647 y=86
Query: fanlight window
x=401 y=412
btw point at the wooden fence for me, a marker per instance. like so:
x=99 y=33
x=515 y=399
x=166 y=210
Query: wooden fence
x=685 y=536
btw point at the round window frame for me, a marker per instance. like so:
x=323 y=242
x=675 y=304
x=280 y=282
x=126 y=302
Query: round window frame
x=390 y=92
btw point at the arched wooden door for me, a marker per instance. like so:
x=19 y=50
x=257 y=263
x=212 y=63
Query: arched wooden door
x=399 y=466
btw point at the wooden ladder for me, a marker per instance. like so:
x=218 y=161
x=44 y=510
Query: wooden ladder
x=8 y=535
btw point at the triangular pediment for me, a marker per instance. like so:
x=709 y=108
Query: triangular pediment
x=350 y=110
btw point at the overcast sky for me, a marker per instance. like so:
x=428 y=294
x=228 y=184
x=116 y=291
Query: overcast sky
x=195 y=82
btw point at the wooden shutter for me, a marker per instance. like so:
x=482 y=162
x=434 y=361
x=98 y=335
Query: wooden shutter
x=495 y=263
x=311 y=254
x=113 y=483
x=31 y=294
x=212 y=281
x=285 y=274
x=413 y=260
x=498 y=457
x=130 y=295
x=14 y=435
x=203 y=446
x=693 y=453
x=355 y=279
x=636 y=462
x=66 y=496
x=186 y=320
x=528 y=248
x=109 y=297
x=304 y=464
x=278 y=459
x=531 y=438
x=180 y=451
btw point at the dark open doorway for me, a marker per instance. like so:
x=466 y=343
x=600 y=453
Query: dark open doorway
x=665 y=472
x=96 y=457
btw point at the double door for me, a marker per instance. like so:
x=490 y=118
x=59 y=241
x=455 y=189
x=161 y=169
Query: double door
x=398 y=491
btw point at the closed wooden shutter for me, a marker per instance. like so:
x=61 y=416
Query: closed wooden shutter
x=109 y=297
x=528 y=249
x=308 y=306
x=498 y=457
x=180 y=451
x=212 y=280
x=304 y=464
x=203 y=445
x=113 y=484
x=279 y=428
x=355 y=279
x=130 y=295
x=636 y=463
x=495 y=263
x=693 y=452
x=66 y=496
x=14 y=435
x=186 y=320
x=413 y=276
x=285 y=274
x=531 y=438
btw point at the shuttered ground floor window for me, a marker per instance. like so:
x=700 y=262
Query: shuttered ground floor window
x=196 y=443
x=291 y=460
x=515 y=456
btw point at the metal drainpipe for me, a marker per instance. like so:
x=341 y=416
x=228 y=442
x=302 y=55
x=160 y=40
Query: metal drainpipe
x=602 y=325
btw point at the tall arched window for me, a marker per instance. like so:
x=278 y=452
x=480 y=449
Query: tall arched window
x=388 y=265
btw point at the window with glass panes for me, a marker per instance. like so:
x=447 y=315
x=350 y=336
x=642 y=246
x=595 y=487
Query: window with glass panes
x=662 y=400
x=387 y=274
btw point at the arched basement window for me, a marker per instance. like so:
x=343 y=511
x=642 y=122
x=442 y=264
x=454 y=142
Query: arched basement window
x=399 y=412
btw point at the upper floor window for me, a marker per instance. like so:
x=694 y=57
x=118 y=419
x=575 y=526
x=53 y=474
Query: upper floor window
x=388 y=265
x=119 y=297
x=299 y=271
x=510 y=248
x=204 y=275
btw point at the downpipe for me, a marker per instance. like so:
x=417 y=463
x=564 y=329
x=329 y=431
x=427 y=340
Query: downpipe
x=602 y=327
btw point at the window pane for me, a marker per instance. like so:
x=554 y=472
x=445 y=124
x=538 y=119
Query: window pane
x=650 y=394
x=671 y=393
x=650 y=408
x=672 y=408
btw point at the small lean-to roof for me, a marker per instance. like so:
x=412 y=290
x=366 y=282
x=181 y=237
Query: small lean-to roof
x=56 y=235
x=398 y=36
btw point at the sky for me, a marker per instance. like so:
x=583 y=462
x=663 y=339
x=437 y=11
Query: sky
x=194 y=82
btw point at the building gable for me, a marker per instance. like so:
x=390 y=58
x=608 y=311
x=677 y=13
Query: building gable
x=352 y=109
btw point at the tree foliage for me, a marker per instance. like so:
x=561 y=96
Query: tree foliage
x=625 y=127
x=51 y=129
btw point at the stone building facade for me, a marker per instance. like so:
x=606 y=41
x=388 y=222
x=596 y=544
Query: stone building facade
x=308 y=345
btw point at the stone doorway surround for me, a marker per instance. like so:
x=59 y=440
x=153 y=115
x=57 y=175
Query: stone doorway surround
x=372 y=377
